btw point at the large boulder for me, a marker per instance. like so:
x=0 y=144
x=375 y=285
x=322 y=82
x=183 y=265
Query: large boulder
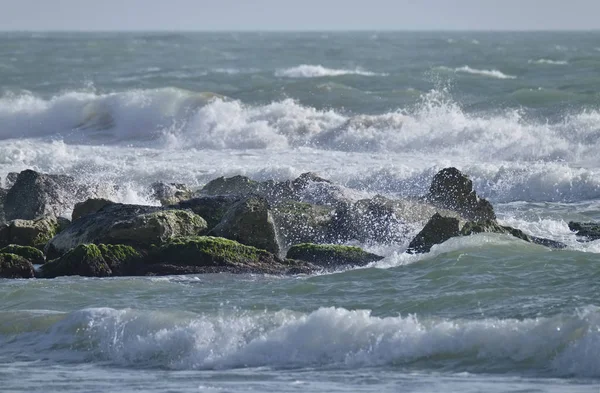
x=89 y=206
x=452 y=190
x=33 y=255
x=331 y=255
x=588 y=230
x=14 y=266
x=301 y=222
x=207 y=254
x=3 y=193
x=134 y=225
x=36 y=195
x=122 y=260
x=170 y=193
x=491 y=226
x=236 y=185
x=211 y=208
x=84 y=260
x=34 y=233
x=249 y=222
x=437 y=230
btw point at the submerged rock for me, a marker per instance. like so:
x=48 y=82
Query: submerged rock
x=31 y=254
x=15 y=266
x=207 y=254
x=589 y=230
x=34 y=233
x=437 y=230
x=452 y=190
x=491 y=226
x=249 y=222
x=90 y=206
x=331 y=255
x=84 y=260
x=134 y=225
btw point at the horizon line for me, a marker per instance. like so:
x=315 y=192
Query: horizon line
x=359 y=30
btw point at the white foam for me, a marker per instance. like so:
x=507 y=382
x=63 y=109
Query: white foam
x=548 y=61
x=564 y=344
x=489 y=73
x=318 y=71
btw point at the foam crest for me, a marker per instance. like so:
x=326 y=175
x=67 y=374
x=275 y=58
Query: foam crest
x=489 y=73
x=318 y=71
x=564 y=344
x=548 y=62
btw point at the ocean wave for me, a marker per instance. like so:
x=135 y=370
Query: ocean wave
x=489 y=73
x=318 y=71
x=563 y=345
x=548 y=61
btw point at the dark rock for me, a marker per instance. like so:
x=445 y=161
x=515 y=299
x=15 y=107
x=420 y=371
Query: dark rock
x=451 y=189
x=133 y=225
x=170 y=193
x=84 y=260
x=3 y=193
x=90 y=206
x=31 y=254
x=491 y=226
x=211 y=208
x=36 y=195
x=249 y=222
x=15 y=266
x=236 y=185
x=331 y=256
x=300 y=222
x=34 y=233
x=206 y=254
x=436 y=231
x=589 y=230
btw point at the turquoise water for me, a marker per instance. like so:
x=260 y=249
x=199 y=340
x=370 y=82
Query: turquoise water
x=375 y=112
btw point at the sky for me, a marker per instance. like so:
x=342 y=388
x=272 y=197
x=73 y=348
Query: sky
x=108 y=15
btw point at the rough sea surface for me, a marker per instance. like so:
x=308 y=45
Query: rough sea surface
x=376 y=112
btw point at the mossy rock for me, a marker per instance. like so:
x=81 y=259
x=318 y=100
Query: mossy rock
x=491 y=226
x=207 y=254
x=15 y=266
x=84 y=260
x=32 y=254
x=212 y=208
x=331 y=255
x=34 y=233
x=301 y=222
x=120 y=259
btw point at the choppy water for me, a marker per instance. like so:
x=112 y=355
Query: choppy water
x=376 y=112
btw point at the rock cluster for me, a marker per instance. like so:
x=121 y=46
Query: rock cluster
x=234 y=225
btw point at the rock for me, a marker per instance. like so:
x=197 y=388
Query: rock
x=206 y=254
x=84 y=260
x=211 y=208
x=36 y=195
x=236 y=185
x=301 y=222
x=90 y=206
x=249 y=222
x=170 y=193
x=304 y=180
x=589 y=230
x=31 y=254
x=122 y=260
x=34 y=233
x=331 y=256
x=450 y=189
x=133 y=225
x=311 y=188
x=15 y=266
x=491 y=226
x=437 y=230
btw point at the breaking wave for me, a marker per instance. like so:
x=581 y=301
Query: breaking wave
x=489 y=73
x=564 y=345
x=318 y=71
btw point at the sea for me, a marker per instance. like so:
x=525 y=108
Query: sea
x=376 y=112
